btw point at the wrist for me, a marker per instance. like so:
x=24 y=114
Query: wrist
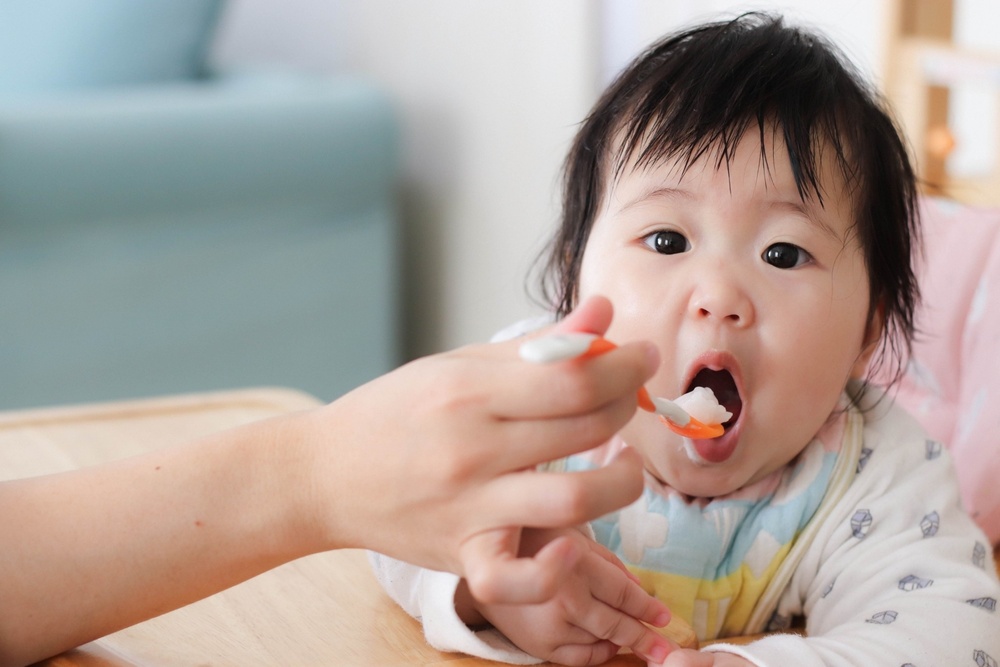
x=323 y=481
x=270 y=502
x=308 y=515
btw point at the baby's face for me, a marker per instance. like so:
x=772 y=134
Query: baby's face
x=744 y=288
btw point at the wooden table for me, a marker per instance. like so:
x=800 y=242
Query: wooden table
x=326 y=609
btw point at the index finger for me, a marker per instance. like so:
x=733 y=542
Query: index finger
x=624 y=605
x=524 y=390
x=616 y=587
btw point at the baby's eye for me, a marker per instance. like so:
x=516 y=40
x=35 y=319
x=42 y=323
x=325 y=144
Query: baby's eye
x=785 y=256
x=667 y=242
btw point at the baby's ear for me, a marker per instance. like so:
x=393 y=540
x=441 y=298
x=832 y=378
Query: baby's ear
x=873 y=334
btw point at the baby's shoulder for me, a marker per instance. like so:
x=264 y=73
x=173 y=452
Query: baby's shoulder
x=894 y=443
x=903 y=477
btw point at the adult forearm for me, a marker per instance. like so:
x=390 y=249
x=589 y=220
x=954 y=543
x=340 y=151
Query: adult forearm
x=433 y=463
x=95 y=550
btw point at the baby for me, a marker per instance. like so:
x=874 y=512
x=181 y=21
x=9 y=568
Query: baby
x=743 y=201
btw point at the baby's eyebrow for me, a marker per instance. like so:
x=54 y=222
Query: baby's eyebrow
x=659 y=192
x=807 y=213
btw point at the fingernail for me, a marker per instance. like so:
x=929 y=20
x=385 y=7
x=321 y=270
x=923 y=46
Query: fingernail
x=658 y=653
x=662 y=619
x=555 y=347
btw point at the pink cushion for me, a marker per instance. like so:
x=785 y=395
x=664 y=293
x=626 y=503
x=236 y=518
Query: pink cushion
x=952 y=384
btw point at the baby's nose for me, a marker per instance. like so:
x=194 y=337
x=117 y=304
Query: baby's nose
x=724 y=299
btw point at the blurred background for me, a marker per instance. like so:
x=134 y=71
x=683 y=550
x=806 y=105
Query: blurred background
x=204 y=194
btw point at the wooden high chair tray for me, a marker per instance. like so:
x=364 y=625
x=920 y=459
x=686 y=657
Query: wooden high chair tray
x=326 y=609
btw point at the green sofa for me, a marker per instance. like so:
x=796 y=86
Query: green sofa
x=192 y=233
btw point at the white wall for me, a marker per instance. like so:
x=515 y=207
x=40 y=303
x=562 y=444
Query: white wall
x=857 y=27
x=974 y=107
x=488 y=93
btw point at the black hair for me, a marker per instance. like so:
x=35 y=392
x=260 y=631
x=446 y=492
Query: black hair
x=697 y=92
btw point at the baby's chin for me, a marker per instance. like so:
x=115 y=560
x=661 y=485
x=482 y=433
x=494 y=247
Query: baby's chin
x=708 y=481
x=698 y=479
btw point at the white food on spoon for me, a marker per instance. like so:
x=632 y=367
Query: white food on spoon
x=701 y=404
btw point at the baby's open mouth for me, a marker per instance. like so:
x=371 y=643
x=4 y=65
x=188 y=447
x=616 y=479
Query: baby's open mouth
x=723 y=385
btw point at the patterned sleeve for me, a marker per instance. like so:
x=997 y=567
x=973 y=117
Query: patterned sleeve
x=900 y=576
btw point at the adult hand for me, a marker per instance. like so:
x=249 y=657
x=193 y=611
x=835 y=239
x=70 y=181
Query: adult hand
x=434 y=463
